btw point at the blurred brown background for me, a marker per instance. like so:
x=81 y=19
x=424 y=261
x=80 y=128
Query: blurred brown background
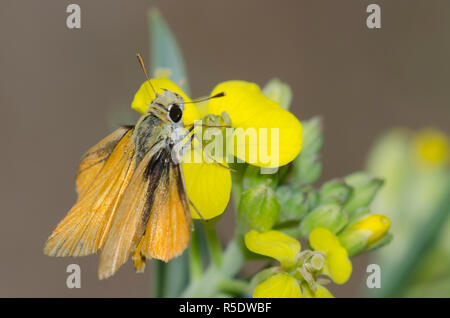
x=61 y=89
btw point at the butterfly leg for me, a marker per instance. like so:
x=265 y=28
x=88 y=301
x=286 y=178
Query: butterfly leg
x=209 y=156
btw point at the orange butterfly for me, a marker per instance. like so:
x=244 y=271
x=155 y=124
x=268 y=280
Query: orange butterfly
x=131 y=194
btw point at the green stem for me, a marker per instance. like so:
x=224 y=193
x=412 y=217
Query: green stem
x=215 y=250
x=195 y=259
x=233 y=286
x=157 y=280
x=209 y=284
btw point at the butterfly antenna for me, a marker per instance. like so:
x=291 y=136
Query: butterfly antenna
x=141 y=62
x=221 y=94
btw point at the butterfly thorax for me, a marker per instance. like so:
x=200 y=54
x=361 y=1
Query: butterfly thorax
x=156 y=129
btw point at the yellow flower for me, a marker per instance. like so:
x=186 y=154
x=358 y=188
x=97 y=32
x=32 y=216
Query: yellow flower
x=337 y=265
x=278 y=286
x=321 y=292
x=208 y=184
x=274 y=244
x=297 y=275
x=432 y=146
x=376 y=226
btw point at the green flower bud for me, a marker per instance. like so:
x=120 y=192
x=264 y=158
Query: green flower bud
x=330 y=216
x=312 y=135
x=295 y=203
x=335 y=190
x=253 y=177
x=358 y=214
x=258 y=208
x=364 y=189
x=354 y=242
x=278 y=92
x=307 y=167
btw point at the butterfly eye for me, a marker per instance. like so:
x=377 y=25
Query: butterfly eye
x=175 y=113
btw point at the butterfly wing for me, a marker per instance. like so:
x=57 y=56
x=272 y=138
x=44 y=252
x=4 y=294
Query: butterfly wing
x=104 y=174
x=153 y=219
x=168 y=228
x=95 y=158
x=132 y=213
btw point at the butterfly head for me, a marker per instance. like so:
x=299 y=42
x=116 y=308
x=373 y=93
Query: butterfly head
x=169 y=106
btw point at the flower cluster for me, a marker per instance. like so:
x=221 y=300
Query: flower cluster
x=277 y=205
x=275 y=211
x=299 y=272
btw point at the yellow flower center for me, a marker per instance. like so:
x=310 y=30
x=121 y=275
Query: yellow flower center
x=432 y=146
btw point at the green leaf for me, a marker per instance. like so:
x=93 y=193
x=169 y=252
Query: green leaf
x=170 y=279
x=165 y=51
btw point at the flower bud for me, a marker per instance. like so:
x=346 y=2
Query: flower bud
x=364 y=189
x=295 y=203
x=312 y=136
x=253 y=177
x=331 y=217
x=365 y=233
x=307 y=166
x=258 y=208
x=307 y=169
x=279 y=92
x=432 y=147
x=333 y=191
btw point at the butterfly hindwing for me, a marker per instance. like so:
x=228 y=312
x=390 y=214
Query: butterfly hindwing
x=132 y=213
x=153 y=219
x=168 y=228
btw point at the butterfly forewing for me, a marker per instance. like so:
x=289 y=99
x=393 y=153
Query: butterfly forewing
x=132 y=199
x=85 y=227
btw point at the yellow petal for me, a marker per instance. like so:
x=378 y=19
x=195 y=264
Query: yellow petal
x=274 y=244
x=208 y=186
x=337 y=265
x=256 y=115
x=376 y=224
x=145 y=96
x=323 y=240
x=278 y=286
x=322 y=292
